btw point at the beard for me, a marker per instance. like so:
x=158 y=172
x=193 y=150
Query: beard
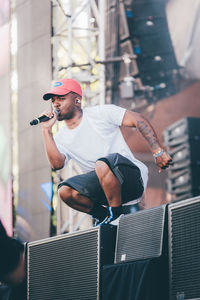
x=67 y=116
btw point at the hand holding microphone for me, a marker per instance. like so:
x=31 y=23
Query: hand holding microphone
x=40 y=119
x=46 y=116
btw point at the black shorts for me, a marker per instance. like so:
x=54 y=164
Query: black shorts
x=127 y=173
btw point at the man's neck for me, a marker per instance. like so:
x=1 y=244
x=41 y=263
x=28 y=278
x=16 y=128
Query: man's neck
x=75 y=121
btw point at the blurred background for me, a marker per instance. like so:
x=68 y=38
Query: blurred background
x=140 y=54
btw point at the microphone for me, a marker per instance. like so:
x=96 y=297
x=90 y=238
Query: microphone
x=39 y=120
x=42 y=118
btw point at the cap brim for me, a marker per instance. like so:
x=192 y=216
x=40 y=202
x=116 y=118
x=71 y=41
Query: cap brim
x=48 y=96
x=55 y=92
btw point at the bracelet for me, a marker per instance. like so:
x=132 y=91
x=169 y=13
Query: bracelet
x=159 y=153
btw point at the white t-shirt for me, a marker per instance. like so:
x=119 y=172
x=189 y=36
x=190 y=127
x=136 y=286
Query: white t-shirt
x=96 y=136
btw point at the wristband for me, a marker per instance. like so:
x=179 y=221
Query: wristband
x=159 y=153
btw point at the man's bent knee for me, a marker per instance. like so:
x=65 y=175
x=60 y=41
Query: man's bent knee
x=65 y=192
x=74 y=199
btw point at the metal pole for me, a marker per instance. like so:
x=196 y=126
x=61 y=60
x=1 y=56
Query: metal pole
x=101 y=5
x=69 y=74
x=70 y=36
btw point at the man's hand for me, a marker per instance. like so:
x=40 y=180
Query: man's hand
x=49 y=124
x=56 y=159
x=163 y=161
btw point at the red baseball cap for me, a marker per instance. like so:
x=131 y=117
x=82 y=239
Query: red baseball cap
x=63 y=87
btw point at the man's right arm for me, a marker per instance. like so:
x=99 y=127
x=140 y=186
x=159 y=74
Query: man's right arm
x=56 y=159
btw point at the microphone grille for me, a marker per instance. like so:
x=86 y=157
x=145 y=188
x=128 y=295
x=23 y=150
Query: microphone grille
x=56 y=112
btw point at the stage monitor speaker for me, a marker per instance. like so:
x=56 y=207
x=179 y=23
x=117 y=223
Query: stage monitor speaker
x=68 y=266
x=185 y=171
x=184 y=249
x=182 y=140
x=142 y=235
x=185 y=154
x=184 y=184
x=183 y=131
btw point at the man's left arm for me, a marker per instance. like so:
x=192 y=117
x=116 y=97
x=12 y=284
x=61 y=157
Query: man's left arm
x=133 y=119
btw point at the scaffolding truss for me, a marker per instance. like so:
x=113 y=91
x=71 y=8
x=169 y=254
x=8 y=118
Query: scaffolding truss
x=78 y=47
x=78 y=44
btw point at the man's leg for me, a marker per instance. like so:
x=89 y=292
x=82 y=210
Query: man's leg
x=81 y=203
x=74 y=199
x=112 y=189
x=109 y=182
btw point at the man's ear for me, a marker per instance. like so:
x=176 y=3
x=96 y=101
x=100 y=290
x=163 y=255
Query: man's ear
x=78 y=101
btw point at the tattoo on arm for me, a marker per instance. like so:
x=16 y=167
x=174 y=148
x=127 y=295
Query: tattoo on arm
x=148 y=133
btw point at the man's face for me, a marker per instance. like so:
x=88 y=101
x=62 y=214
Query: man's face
x=65 y=106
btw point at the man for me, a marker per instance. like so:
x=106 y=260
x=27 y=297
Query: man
x=92 y=137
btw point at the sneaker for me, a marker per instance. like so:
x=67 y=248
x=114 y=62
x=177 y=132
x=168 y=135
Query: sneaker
x=99 y=214
x=98 y=222
x=112 y=218
x=116 y=221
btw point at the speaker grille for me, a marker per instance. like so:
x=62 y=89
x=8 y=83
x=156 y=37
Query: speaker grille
x=140 y=235
x=185 y=249
x=67 y=267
